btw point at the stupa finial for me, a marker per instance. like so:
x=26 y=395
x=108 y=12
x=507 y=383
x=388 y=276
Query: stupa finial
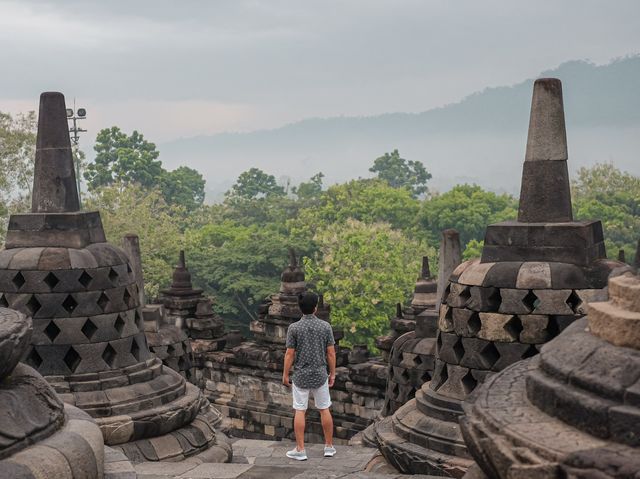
x=545 y=195
x=54 y=179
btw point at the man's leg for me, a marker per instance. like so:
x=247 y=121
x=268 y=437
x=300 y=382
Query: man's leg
x=327 y=426
x=300 y=404
x=298 y=428
x=322 y=400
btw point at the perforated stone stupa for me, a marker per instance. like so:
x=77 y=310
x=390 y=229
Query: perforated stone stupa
x=39 y=435
x=412 y=357
x=572 y=411
x=88 y=336
x=533 y=280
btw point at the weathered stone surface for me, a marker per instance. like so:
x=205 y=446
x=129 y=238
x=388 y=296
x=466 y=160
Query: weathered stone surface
x=54 y=186
x=570 y=412
x=84 y=297
x=532 y=281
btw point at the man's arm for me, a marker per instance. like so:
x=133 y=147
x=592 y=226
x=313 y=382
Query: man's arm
x=289 y=356
x=331 y=360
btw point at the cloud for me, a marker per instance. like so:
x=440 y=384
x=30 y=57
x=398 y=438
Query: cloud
x=242 y=64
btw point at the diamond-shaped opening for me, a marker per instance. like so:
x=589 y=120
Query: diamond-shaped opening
x=119 y=324
x=129 y=270
x=89 y=329
x=552 y=327
x=469 y=383
x=33 y=305
x=103 y=301
x=426 y=377
x=458 y=350
x=474 y=324
x=395 y=391
x=109 y=355
x=69 y=304
x=3 y=301
x=531 y=301
x=33 y=359
x=52 y=330
x=85 y=279
x=171 y=349
x=490 y=354
x=138 y=319
x=417 y=360
x=465 y=295
x=446 y=293
x=72 y=359
x=51 y=280
x=530 y=352
x=574 y=302
x=126 y=296
x=438 y=343
x=182 y=363
x=440 y=377
x=514 y=327
x=135 y=349
x=495 y=299
x=18 y=280
x=405 y=375
x=113 y=275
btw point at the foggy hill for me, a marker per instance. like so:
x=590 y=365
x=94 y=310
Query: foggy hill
x=480 y=139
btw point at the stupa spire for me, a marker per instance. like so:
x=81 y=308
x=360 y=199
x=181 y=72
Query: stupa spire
x=545 y=196
x=54 y=180
x=426 y=271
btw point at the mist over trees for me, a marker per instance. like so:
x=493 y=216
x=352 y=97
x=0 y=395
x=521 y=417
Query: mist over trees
x=361 y=241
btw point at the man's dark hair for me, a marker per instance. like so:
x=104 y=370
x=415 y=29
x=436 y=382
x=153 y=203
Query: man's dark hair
x=307 y=302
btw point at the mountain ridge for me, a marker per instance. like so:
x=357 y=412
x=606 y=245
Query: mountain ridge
x=601 y=102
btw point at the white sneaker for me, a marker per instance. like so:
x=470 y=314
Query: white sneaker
x=329 y=451
x=297 y=455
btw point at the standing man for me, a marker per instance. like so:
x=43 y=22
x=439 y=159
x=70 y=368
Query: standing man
x=310 y=347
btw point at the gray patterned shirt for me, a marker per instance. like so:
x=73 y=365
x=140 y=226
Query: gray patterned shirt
x=310 y=336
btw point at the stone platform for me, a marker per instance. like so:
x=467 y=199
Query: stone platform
x=255 y=459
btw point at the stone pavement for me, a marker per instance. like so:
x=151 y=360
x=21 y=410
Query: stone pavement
x=255 y=459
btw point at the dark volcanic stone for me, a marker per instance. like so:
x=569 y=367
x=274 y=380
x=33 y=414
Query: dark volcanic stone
x=54 y=184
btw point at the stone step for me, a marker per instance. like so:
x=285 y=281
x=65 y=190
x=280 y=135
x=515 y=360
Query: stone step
x=624 y=292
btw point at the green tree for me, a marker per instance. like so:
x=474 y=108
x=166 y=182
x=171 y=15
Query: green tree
x=240 y=264
x=183 y=186
x=123 y=159
x=366 y=200
x=467 y=208
x=473 y=250
x=604 y=192
x=255 y=184
x=400 y=173
x=133 y=209
x=364 y=270
x=311 y=189
x=17 y=154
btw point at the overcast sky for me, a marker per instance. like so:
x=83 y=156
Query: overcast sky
x=182 y=68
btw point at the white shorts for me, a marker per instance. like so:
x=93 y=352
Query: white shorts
x=321 y=397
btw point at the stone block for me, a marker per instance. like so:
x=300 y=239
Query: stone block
x=499 y=327
x=534 y=328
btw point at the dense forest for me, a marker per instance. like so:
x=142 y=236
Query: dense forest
x=361 y=241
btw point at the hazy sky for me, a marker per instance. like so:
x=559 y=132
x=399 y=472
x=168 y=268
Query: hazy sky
x=183 y=68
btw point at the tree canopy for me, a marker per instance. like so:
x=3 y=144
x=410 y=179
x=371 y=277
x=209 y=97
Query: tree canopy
x=400 y=173
x=604 y=192
x=130 y=159
x=255 y=184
